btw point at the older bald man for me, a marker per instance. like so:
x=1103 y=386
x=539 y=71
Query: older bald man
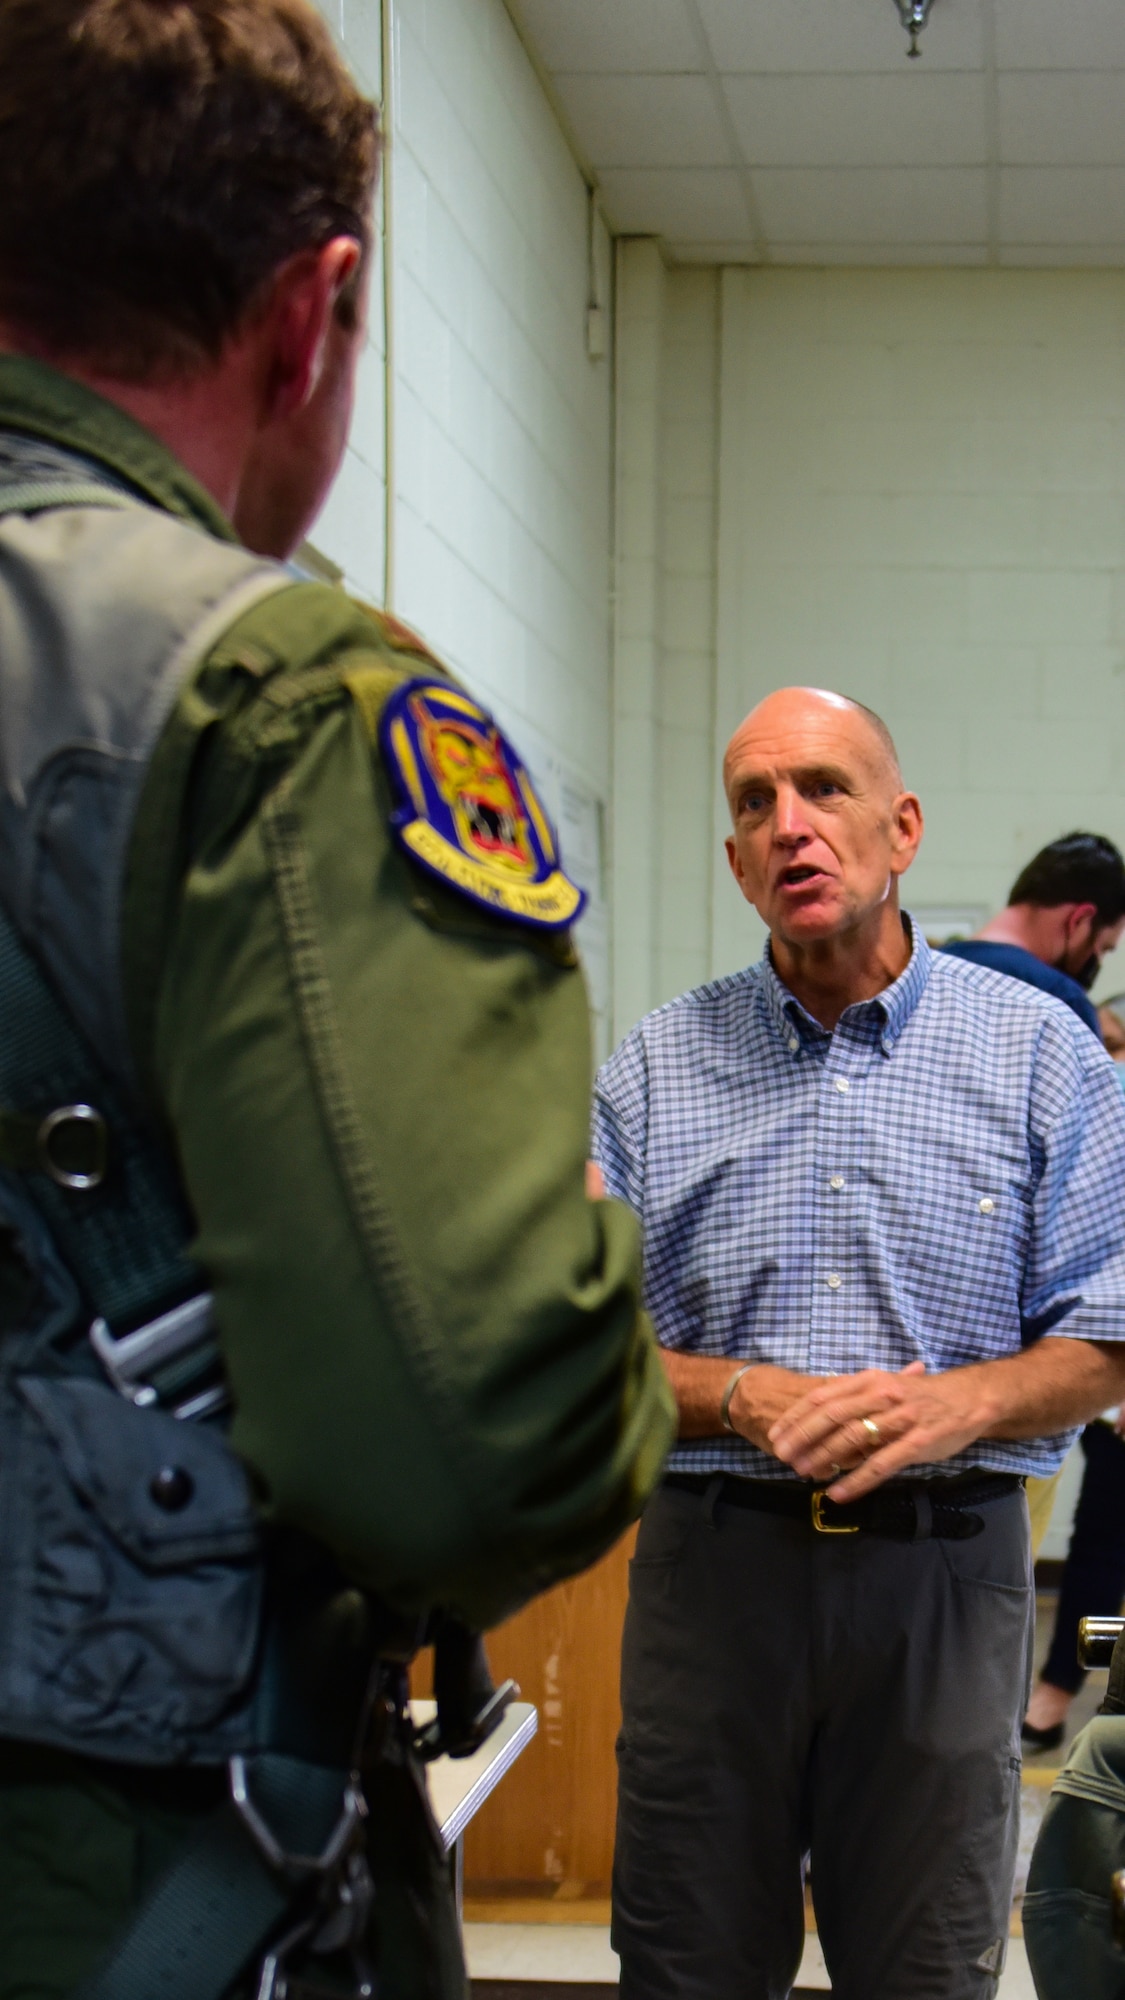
x=889 y=1283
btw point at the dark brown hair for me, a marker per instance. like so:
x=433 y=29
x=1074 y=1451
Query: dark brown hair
x=159 y=159
x=1079 y=868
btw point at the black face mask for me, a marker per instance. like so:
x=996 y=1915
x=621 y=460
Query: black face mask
x=1086 y=973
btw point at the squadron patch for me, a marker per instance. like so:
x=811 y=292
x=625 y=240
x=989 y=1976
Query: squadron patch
x=467 y=809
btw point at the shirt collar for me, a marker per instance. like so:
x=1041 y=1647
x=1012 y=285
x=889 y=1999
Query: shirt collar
x=40 y=402
x=889 y=1011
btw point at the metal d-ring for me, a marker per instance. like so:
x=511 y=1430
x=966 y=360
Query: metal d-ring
x=353 y=1812
x=52 y=1124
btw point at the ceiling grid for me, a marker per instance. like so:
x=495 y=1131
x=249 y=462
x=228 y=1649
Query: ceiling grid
x=796 y=131
x=759 y=246
x=991 y=132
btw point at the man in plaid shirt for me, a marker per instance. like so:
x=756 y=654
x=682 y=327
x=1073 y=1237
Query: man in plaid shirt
x=885 y=1256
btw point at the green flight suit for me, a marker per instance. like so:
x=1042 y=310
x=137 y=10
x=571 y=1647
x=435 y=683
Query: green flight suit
x=378 y=1092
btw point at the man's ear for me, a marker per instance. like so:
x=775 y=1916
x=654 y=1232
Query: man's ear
x=907 y=827
x=299 y=315
x=732 y=857
x=1079 y=917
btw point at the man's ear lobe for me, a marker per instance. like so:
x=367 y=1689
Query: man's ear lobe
x=732 y=857
x=1082 y=914
x=335 y=270
x=307 y=291
x=909 y=827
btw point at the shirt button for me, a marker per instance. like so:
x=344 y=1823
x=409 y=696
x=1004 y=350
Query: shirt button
x=794 y=1044
x=837 y=1182
x=842 y=1083
x=834 y=1281
x=987 y=1206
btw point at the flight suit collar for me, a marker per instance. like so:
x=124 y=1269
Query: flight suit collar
x=39 y=401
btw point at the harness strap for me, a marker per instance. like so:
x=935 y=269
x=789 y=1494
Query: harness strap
x=105 y=1185
x=218 y=1905
x=37 y=496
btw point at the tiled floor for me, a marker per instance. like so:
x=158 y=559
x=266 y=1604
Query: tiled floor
x=580 y=1953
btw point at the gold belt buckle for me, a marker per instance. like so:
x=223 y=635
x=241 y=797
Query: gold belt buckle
x=824 y=1527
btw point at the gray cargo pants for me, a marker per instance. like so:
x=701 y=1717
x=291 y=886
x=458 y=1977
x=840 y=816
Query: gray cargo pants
x=786 y=1692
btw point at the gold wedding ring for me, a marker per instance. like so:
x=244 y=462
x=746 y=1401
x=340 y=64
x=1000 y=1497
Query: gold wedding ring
x=872 y=1429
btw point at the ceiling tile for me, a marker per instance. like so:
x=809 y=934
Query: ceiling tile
x=860 y=121
x=1060 y=34
x=856 y=155
x=942 y=254
x=711 y=253
x=1070 y=119
x=1058 y=256
x=803 y=35
x=1062 y=205
x=692 y=203
x=872 y=205
x=629 y=35
x=645 y=121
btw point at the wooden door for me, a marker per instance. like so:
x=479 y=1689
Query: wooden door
x=549 y=1824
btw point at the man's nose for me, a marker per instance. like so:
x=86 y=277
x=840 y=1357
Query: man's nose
x=790 y=821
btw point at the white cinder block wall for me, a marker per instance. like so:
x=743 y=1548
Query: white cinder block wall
x=923 y=504
x=350 y=530
x=907 y=484
x=664 y=652
x=689 y=499
x=501 y=422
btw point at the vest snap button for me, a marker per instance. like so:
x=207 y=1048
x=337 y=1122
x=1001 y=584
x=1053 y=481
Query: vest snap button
x=172 y=1488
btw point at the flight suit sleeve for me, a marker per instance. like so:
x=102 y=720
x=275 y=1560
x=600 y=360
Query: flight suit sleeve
x=380 y=1095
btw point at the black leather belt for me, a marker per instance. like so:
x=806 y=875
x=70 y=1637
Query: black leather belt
x=927 y=1509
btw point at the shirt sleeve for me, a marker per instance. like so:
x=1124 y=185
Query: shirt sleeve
x=1074 y=1279
x=620 y=1121
x=380 y=1094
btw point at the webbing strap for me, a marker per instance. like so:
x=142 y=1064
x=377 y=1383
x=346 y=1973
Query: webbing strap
x=36 y=496
x=19 y=1142
x=206 y=1918
x=217 y=1906
x=124 y=1241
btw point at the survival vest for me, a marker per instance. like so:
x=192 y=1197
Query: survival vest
x=130 y=1568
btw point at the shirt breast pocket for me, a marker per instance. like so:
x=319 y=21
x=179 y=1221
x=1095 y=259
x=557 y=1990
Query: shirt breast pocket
x=964 y=1246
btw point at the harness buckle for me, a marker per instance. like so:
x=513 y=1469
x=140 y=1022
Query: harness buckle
x=824 y=1527
x=165 y=1343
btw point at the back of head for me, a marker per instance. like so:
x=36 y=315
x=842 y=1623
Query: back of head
x=159 y=159
x=1079 y=868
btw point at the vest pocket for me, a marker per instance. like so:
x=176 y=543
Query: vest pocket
x=139 y=1597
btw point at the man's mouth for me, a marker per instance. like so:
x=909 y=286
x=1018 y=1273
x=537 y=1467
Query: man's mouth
x=800 y=873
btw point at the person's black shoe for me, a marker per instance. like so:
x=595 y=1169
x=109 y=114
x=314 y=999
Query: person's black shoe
x=1043 y=1739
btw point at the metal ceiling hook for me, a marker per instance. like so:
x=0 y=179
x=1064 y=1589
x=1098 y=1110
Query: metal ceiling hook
x=913 y=14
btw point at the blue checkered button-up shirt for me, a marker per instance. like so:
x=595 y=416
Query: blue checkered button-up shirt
x=941 y=1178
